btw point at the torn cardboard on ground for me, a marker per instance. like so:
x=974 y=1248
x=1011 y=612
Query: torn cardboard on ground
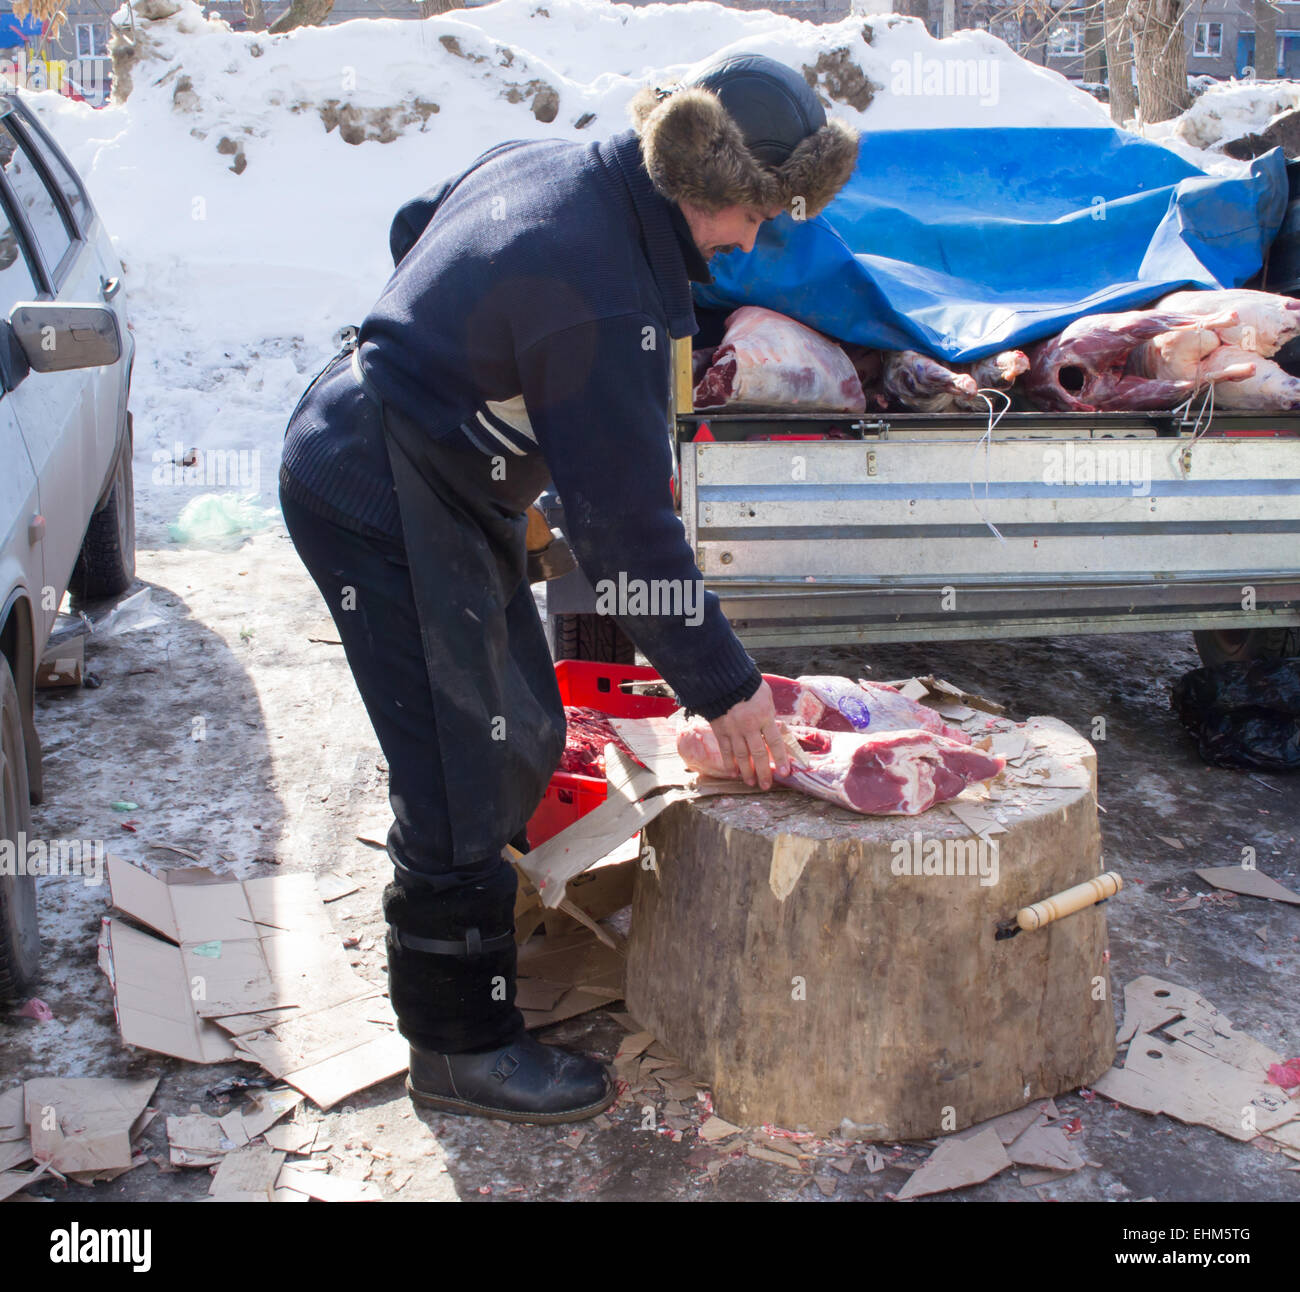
x=957 y=1164
x=249 y=969
x=1187 y=1060
x=84 y=1126
x=1250 y=883
x=63 y=663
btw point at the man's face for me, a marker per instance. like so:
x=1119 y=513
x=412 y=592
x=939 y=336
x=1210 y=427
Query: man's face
x=732 y=228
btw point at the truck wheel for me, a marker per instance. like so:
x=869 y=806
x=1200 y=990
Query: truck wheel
x=1226 y=646
x=20 y=945
x=106 y=564
x=594 y=637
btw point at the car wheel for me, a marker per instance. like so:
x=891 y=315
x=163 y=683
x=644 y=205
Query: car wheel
x=1227 y=646
x=593 y=637
x=19 y=940
x=106 y=564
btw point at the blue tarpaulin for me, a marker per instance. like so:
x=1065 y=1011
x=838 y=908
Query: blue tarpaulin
x=965 y=242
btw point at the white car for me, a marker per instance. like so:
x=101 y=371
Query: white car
x=67 y=519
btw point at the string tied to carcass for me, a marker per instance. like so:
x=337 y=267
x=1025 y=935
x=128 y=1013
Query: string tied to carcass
x=987 y=441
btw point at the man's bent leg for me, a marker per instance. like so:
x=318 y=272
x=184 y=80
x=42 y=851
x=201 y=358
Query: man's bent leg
x=451 y=947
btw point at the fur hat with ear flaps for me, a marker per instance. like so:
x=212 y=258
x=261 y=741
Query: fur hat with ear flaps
x=748 y=131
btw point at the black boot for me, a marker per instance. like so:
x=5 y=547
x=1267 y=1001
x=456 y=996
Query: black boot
x=451 y=979
x=524 y=1081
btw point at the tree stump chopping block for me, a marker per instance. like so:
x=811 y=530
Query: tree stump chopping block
x=818 y=968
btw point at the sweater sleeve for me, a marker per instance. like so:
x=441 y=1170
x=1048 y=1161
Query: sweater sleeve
x=597 y=400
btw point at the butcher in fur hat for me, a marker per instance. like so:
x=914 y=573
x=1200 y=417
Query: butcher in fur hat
x=523 y=344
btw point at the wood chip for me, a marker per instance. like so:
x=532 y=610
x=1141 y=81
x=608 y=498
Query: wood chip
x=777 y=1159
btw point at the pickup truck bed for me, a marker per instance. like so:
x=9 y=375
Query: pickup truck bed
x=1108 y=522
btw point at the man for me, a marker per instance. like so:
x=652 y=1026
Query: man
x=524 y=338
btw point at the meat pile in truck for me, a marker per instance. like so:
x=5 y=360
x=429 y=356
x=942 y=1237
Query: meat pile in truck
x=1232 y=343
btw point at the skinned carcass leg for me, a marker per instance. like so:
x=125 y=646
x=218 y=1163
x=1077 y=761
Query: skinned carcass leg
x=1262 y=322
x=1194 y=355
x=996 y=372
x=1265 y=386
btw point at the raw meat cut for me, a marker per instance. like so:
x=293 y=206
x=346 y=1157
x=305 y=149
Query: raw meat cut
x=838 y=704
x=1263 y=321
x=589 y=731
x=767 y=360
x=1083 y=369
x=895 y=773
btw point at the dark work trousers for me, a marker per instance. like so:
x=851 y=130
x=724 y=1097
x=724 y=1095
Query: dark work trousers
x=451 y=950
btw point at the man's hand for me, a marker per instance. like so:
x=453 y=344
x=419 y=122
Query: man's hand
x=750 y=741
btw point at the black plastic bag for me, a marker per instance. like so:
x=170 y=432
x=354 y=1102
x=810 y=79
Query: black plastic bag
x=1244 y=715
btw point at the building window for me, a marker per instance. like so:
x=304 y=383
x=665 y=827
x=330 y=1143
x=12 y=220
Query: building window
x=1009 y=30
x=91 y=42
x=1066 y=39
x=1209 y=40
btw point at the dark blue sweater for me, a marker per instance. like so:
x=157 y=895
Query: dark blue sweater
x=554 y=271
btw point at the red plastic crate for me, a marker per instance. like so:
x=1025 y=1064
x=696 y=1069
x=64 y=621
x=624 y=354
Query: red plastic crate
x=591 y=686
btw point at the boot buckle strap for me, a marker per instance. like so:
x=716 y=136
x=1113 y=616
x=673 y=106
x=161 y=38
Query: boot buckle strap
x=474 y=944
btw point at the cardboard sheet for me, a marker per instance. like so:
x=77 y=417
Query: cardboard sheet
x=957 y=1163
x=1206 y=1073
x=247 y=1175
x=152 y=998
x=552 y=864
x=590 y=973
x=85 y=1123
x=1251 y=883
x=249 y=969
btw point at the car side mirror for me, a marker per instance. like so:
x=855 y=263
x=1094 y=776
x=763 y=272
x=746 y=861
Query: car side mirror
x=55 y=337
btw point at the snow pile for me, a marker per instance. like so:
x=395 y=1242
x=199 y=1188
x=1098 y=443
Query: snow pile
x=1228 y=110
x=249 y=181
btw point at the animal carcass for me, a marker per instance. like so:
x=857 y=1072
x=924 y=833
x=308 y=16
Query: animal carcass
x=924 y=385
x=1084 y=369
x=767 y=360
x=1230 y=350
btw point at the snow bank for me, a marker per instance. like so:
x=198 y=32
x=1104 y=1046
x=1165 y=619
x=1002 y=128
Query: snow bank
x=1231 y=109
